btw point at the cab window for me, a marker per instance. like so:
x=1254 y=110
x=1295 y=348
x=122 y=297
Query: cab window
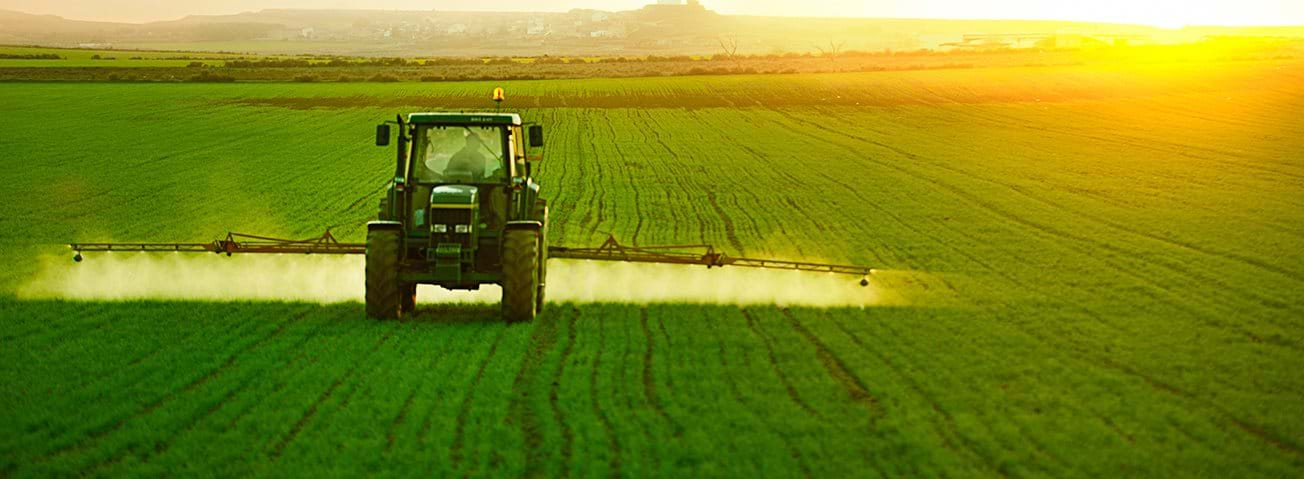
x=460 y=154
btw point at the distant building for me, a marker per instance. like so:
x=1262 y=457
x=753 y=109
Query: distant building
x=536 y=26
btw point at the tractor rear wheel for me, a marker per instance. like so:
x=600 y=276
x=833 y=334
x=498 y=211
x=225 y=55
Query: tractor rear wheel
x=520 y=275
x=383 y=287
x=408 y=298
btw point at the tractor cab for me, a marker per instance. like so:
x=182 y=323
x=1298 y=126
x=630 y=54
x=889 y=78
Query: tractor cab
x=456 y=159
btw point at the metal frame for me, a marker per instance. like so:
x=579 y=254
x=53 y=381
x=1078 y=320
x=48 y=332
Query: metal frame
x=236 y=243
x=610 y=250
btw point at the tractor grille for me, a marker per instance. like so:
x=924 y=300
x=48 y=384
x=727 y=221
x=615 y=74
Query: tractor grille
x=450 y=217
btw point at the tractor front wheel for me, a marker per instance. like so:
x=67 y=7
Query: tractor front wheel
x=383 y=288
x=520 y=275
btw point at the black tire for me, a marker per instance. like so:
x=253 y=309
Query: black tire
x=408 y=298
x=520 y=275
x=541 y=214
x=382 y=274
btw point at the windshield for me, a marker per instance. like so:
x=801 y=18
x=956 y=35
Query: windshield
x=460 y=154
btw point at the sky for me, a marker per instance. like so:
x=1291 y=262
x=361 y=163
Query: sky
x=1162 y=13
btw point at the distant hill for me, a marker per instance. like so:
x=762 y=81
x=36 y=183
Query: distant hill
x=656 y=29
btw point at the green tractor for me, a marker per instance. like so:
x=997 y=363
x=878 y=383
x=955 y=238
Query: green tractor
x=462 y=211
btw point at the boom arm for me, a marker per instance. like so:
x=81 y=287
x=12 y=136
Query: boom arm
x=706 y=255
x=234 y=243
x=610 y=250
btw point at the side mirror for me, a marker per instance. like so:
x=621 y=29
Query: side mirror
x=382 y=135
x=536 y=136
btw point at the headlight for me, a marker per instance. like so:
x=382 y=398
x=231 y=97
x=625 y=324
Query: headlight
x=439 y=228
x=462 y=229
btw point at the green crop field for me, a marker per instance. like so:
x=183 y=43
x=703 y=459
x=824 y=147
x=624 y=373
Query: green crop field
x=1100 y=273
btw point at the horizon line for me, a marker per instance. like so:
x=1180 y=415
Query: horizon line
x=816 y=17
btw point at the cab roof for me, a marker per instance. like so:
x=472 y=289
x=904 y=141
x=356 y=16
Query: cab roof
x=465 y=118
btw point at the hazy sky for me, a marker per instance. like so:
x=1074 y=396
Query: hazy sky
x=1168 y=13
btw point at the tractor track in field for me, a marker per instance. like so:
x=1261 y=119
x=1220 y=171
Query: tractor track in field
x=567 y=436
x=677 y=159
x=589 y=207
x=1056 y=232
x=308 y=415
x=398 y=419
x=464 y=409
x=542 y=340
x=1060 y=235
x=629 y=393
x=729 y=230
x=363 y=198
x=364 y=381
x=600 y=193
x=613 y=441
x=62 y=326
x=164 y=445
x=1150 y=144
x=1109 y=423
x=98 y=378
x=838 y=370
x=750 y=175
x=427 y=422
x=1257 y=432
x=638 y=207
x=740 y=399
x=996 y=437
x=1155 y=384
x=649 y=377
x=665 y=338
x=82 y=328
x=402 y=415
x=951 y=431
x=791 y=390
x=796 y=183
x=1080 y=212
x=96 y=436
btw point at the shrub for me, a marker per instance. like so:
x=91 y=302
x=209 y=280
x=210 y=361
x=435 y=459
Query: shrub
x=383 y=78
x=208 y=77
x=306 y=78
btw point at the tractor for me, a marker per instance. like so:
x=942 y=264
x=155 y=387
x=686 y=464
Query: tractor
x=462 y=211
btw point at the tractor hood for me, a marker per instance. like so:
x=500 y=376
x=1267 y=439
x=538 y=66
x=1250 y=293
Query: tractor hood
x=454 y=195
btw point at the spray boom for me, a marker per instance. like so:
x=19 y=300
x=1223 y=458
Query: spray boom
x=609 y=250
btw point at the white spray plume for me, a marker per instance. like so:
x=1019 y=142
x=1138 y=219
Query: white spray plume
x=336 y=279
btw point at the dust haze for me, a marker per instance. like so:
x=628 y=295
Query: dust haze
x=339 y=279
